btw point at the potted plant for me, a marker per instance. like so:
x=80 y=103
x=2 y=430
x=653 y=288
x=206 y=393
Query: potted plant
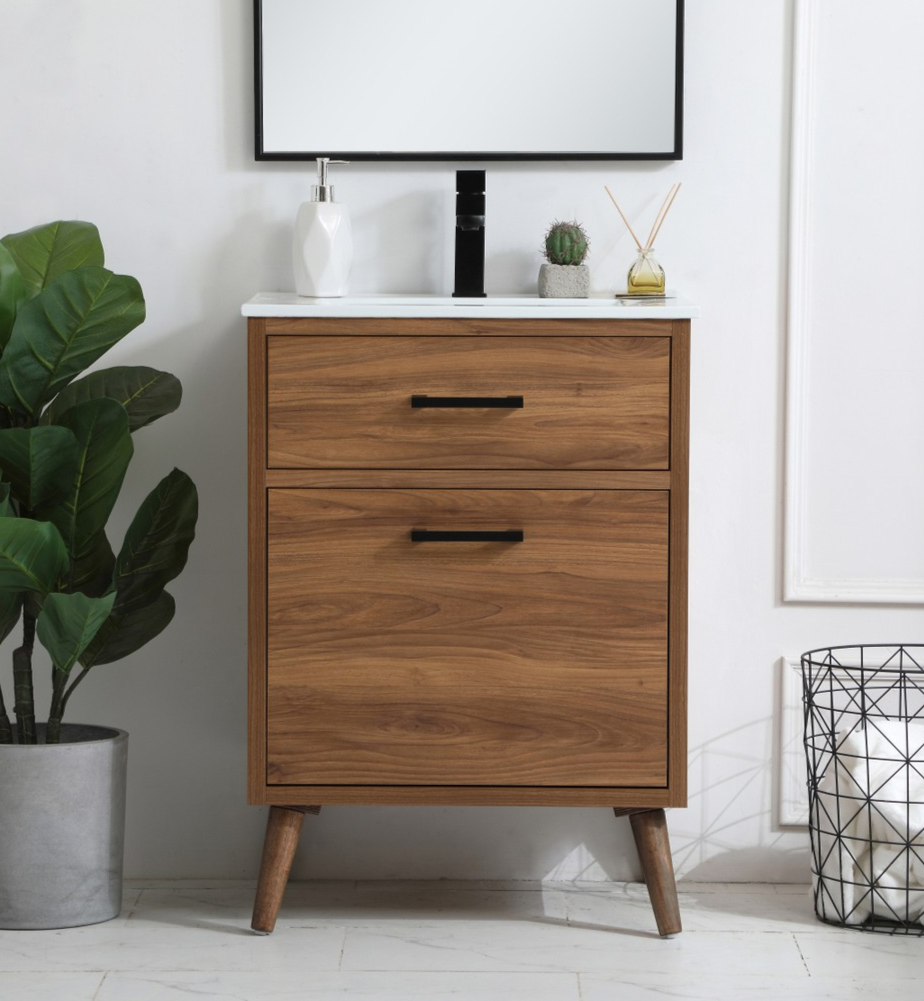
x=65 y=445
x=565 y=275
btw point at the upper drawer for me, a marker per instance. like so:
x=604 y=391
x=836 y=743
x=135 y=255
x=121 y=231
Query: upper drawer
x=587 y=402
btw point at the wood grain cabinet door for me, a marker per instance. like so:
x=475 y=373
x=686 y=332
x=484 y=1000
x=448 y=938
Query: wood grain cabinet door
x=392 y=402
x=460 y=661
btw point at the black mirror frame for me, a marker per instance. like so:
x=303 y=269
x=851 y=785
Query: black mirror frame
x=261 y=154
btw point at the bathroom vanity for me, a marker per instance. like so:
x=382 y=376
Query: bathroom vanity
x=468 y=561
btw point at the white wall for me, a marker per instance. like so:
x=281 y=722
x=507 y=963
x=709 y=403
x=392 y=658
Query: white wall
x=138 y=116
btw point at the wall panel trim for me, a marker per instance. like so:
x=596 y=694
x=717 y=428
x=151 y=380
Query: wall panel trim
x=798 y=585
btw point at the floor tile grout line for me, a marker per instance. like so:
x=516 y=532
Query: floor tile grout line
x=795 y=939
x=134 y=905
x=100 y=985
x=343 y=942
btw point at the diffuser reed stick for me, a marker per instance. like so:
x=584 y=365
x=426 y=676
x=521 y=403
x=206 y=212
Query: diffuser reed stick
x=654 y=235
x=657 y=221
x=624 y=219
x=659 y=218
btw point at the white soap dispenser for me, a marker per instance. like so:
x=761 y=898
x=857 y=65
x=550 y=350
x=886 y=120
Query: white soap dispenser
x=322 y=248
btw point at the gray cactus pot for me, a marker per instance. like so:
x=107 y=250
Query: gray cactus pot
x=62 y=828
x=564 y=281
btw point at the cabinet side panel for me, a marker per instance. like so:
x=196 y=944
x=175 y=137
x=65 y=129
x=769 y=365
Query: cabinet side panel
x=679 y=518
x=256 y=559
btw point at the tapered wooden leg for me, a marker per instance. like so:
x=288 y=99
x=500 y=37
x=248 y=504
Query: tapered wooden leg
x=283 y=827
x=654 y=851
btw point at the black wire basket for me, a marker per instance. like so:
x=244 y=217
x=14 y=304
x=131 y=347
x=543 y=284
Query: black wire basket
x=864 y=746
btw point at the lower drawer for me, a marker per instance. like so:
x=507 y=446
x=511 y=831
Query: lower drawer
x=460 y=660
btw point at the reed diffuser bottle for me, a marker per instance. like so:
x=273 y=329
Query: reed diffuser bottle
x=646 y=276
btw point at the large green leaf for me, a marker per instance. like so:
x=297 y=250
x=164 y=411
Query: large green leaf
x=44 y=252
x=157 y=542
x=32 y=555
x=39 y=463
x=10 y=601
x=64 y=329
x=122 y=635
x=145 y=393
x=12 y=293
x=68 y=624
x=91 y=572
x=105 y=449
x=10 y=610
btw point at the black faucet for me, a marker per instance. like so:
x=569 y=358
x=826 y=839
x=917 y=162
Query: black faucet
x=469 y=234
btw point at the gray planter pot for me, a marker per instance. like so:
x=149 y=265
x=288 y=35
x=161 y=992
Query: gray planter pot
x=564 y=281
x=62 y=828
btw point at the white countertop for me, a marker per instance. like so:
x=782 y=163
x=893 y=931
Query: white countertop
x=596 y=307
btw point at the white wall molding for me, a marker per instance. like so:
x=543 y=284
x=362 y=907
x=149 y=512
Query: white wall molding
x=798 y=584
x=793 y=794
x=797 y=318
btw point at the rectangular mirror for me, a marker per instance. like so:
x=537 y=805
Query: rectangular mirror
x=469 y=79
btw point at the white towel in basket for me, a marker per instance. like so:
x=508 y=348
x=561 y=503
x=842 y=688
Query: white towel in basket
x=872 y=796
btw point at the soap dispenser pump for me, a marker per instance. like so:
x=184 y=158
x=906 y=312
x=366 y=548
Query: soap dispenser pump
x=322 y=247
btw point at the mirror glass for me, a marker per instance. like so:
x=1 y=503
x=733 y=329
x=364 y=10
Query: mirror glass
x=469 y=79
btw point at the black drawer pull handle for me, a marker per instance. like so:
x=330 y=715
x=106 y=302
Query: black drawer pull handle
x=438 y=535
x=473 y=402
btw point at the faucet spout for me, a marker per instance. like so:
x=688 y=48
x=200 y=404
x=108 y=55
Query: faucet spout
x=470 y=204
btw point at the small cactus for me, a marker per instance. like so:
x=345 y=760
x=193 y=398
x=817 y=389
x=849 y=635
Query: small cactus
x=565 y=243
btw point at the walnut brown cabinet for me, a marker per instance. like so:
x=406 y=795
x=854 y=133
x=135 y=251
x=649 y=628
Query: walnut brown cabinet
x=467 y=564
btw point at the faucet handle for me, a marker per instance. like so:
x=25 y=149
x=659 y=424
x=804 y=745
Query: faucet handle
x=470 y=182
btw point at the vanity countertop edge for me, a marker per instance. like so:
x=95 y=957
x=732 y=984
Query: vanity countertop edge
x=288 y=304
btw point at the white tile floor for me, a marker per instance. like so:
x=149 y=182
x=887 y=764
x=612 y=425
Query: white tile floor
x=435 y=941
